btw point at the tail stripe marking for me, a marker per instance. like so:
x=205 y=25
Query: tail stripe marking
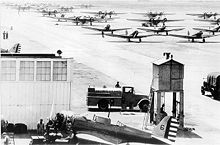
x=174 y=124
x=172 y=133
x=173 y=129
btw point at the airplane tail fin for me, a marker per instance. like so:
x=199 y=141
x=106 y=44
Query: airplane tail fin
x=167 y=128
x=15 y=49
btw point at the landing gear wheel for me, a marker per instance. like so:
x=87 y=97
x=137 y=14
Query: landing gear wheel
x=103 y=105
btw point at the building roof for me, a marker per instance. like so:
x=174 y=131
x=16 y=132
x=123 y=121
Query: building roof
x=28 y=55
x=164 y=60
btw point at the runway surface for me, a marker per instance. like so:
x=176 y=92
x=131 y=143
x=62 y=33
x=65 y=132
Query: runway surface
x=131 y=63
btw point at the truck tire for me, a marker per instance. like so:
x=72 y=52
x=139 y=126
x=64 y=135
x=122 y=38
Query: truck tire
x=144 y=105
x=103 y=105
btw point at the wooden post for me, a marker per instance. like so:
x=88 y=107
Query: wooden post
x=181 y=119
x=158 y=107
x=174 y=104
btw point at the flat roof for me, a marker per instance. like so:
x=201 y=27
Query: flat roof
x=29 y=55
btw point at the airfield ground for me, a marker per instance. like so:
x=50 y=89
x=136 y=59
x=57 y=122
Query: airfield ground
x=103 y=61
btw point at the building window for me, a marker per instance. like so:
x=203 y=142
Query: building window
x=8 y=70
x=43 y=70
x=26 y=71
x=60 y=70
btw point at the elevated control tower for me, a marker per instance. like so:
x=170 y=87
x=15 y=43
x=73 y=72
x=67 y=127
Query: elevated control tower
x=168 y=77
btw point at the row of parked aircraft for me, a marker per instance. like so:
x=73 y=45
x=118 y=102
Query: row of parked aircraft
x=152 y=26
x=152 y=23
x=135 y=34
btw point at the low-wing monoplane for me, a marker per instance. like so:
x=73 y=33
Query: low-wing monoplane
x=160 y=29
x=164 y=133
x=198 y=35
x=133 y=35
x=215 y=29
x=107 y=28
x=153 y=14
x=205 y=15
x=153 y=22
x=49 y=12
x=80 y=20
x=84 y=20
x=109 y=13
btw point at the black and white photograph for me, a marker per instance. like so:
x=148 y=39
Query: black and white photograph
x=107 y=72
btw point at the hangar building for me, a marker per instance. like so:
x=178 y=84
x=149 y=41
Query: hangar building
x=33 y=86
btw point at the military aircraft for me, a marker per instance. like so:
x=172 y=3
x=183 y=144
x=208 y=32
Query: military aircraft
x=80 y=19
x=215 y=29
x=49 y=12
x=60 y=18
x=215 y=21
x=133 y=35
x=164 y=133
x=160 y=29
x=15 y=49
x=84 y=20
x=205 y=15
x=107 y=28
x=153 y=22
x=154 y=14
x=109 y=13
x=198 y=35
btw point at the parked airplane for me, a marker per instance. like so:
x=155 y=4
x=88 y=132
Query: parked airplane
x=49 y=12
x=198 y=35
x=164 y=133
x=133 y=35
x=154 y=14
x=80 y=19
x=99 y=13
x=215 y=29
x=15 y=49
x=160 y=29
x=153 y=22
x=85 y=19
x=205 y=15
x=107 y=28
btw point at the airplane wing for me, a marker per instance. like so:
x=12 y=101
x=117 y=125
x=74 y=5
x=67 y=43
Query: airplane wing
x=173 y=20
x=177 y=29
x=119 y=29
x=91 y=12
x=119 y=36
x=181 y=36
x=200 y=29
x=156 y=30
x=139 y=20
x=195 y=14
x=208 y=36
x=205 y=20
x=148 y=30
x=127 y=36
x=96 y=29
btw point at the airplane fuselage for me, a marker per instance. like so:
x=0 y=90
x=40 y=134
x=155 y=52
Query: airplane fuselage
x=112 y=133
